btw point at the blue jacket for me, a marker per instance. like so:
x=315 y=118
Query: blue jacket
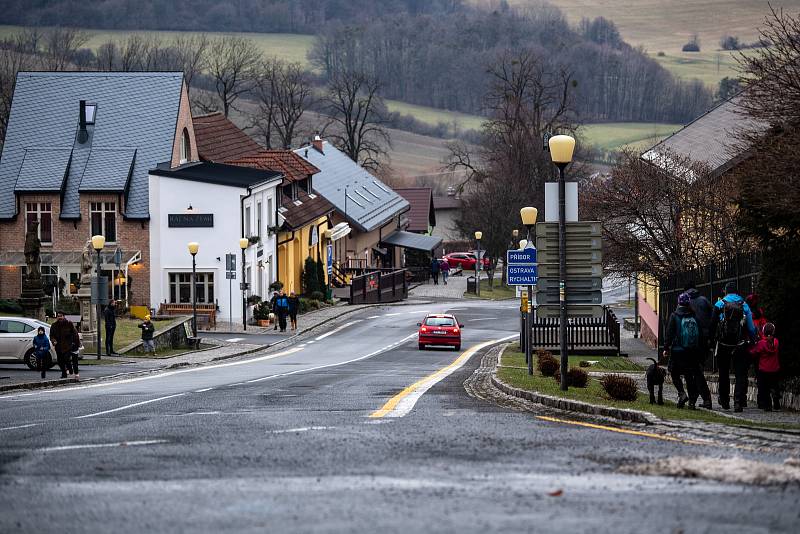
x=748 y=315
x=41 y=344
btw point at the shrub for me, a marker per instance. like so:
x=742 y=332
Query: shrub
x=661 y=53
x=309 y=277
x=619 y=387
x=693 y=45
x=576 y=377
x=307 y=305
x=276 y=286
x=10 y=306
x=584 y=363
x=546 y=363
x=730 y=42
x=261 y=311
x=318 y=295
x=253 y=299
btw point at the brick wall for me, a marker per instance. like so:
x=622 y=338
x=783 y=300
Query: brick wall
x=184 y=121
x=72 y=236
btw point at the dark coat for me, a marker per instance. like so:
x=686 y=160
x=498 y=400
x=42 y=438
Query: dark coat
x=435 y=267
x=110 y=318
x=294 y=305
x=148 y=328
x=703 y=311
x=673 y=332
x=41 y=344
x=65 y=336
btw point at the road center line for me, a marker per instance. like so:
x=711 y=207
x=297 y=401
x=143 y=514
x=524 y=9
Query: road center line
x=20 y=426
x=104 y=445
x=483 y=319
x=134 y=405
x=402 y=403
x=345 y=325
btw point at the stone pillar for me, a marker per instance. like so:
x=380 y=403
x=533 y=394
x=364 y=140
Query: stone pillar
x=88 y=316
x=32 y=298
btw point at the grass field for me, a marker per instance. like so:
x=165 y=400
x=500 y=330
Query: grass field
x=434 y=116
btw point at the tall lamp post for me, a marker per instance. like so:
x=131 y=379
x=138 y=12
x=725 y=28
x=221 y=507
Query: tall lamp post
x=193 y=248
x=478 y=236
x=528 y=215
x=98 y=242
x=561 y=149
x=523 y=339
x=243 y=244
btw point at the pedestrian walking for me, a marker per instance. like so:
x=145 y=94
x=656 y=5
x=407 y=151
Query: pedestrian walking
x=733 y=329
x=682 y=344
x=759 y=318
x=282 y=308
x=272 y=306
x=444 y=266
x=294 y=307
x=703 y=311
x=110 y=318
x=148 y=331
x=41 y=349
x=435 y=271
x=768 y=367
x=64 y=336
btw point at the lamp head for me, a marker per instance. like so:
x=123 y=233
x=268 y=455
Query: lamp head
x=523 y=243
x=528 y=215
x=193 y=247
x=561 y=148
x=243 y=243
x=98 y=242
x=478 y=235
x=515 y=233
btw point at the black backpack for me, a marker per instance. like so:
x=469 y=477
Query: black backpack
x=731 y=323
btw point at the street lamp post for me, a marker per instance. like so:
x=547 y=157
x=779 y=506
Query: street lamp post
x=478 y=236
x=523 y=339
x=243 y=243
x=561 y=149
x=193 y=248
x=98 y=242
x=528 y=215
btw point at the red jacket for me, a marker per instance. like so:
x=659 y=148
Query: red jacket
x=767 y=354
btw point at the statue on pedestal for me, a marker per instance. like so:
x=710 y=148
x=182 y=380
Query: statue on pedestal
x=32 y=298
x=88 y=314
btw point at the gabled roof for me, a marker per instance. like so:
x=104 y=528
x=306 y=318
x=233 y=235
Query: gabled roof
x=366 y=202
x=421 y=215
x=135 y=110
x=711 y=139
x=217 y=173
x=220 y=140
x=307 y=208
x=292 y=166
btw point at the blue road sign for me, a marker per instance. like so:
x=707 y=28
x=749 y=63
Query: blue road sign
x=521 y=268
x=526 y=256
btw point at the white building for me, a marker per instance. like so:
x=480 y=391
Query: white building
x=214 y=205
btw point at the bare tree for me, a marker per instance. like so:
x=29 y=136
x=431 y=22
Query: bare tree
x=59 y=46
x=231 y=65
x=190 y=53
x=132 y=52
x=356 y=113
x=107 y=56
x=16 y=54
x=284 y=93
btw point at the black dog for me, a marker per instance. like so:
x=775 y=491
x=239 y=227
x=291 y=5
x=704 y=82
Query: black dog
x=655 y=377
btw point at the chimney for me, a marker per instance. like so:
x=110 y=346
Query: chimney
x=83 y=135
x=317 y=143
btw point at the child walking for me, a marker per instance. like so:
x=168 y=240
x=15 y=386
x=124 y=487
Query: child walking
x=148 y=328
x=768 y=366
x=41 y=348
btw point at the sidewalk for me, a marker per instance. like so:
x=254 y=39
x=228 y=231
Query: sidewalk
x=455 y=289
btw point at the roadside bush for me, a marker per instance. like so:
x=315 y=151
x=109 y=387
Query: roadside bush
x=546 y=362
x=584 y=363
x=10 y=306
x=576 y=377
x=69 y=305
x=619 y=387
x=318 y=295
x=307 y=305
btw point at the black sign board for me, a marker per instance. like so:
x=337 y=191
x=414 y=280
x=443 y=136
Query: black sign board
x=190 y=220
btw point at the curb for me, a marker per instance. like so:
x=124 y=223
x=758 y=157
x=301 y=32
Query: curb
x=39 y=385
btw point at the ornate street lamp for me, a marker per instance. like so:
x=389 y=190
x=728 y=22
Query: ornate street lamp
x=528 y=216
x=98 y=242
x=243 y=244
x=478 y=236
x=561 y=149
x=193 y=248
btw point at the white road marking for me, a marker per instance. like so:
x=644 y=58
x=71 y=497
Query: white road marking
x=391 y=314
x=483 y=319
x=371 y=354
x=312 y=341
x=235 y=339
x=374 y=317
x=134 y=405
x=457 y=309
x=345 y=325
x=301 y=429
x=20 y=426
x=203 y=390
x=417 y=312
x=104 y=445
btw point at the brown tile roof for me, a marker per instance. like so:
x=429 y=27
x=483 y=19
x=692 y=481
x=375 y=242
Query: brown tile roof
x=421 y=214
x=219 y=140
x=291 y=165
x=446 y=202
x=309 y=210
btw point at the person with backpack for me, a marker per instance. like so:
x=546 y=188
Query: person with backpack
x=682 y=345
x=759 y=318
x=703 y=311
x=768 y=366
x=435 y=268
x=41 y=349
x=733 y=329
x=282 y=309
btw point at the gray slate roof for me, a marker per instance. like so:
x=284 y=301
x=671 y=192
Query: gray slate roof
x=370 y=202
x=711 y=139
x=43 y=169
x=135 y=111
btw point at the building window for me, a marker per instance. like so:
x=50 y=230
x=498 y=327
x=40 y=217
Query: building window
x=258 y=218
x=89 y=114
x=42 y=212
x=290 y=190
x=103 y=217
x=269 y=212
x=186 y=146
x=305 y=184
x=247 y=221
x=74 y=283
x=180 y=288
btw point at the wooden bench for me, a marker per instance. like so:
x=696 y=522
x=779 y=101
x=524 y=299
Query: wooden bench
x=206 y=313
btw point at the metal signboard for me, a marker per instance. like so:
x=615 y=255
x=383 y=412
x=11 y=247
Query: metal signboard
x=573 y=310
x=583 y=228
x=574 y=270
x=329 y=260
x=574 y=242
x=579 y=284
x=118 y=256
x=573 y=256
x=190 y=220
x=230 y=262
x=521 y=269
x=526 y=256
x=244 y=286
x=99 y=290
x=574 y=296
x=230 y=275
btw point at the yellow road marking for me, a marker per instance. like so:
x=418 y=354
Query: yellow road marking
x=620 y=430
x=392 y=403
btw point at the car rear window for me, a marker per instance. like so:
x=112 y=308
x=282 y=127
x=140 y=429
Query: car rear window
x=439 y=321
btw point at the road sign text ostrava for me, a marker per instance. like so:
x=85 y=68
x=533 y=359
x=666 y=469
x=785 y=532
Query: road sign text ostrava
x=521 y=269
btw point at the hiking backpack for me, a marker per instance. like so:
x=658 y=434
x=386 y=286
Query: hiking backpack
x=689 y=334
x=731 y=323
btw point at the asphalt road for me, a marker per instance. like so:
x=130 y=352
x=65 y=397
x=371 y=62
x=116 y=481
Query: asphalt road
x=284 y=441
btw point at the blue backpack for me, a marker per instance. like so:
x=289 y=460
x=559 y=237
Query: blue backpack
x=689 y=334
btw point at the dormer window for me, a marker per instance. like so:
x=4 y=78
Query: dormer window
x=305 y=184
x=290 y=190
x=89 y=114
x=186 y=146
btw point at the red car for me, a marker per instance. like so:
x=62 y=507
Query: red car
x=440 y=329
x=465 y=260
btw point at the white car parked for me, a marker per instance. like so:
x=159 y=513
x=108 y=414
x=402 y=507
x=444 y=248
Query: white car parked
x=16 y=339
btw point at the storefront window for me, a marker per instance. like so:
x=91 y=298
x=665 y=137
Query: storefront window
x=180 y=288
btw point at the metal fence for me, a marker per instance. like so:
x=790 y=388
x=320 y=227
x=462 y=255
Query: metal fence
x=588 y=336
x=710 y=280
x=379 y=286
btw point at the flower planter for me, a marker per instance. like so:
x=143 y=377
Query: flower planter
x=263 y=322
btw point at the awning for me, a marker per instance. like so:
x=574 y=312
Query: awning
x=411 y=240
